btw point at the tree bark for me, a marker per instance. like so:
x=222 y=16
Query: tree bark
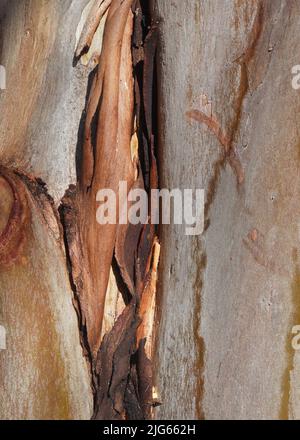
x=228 y=124
x=43 y=371
x=70 y=129
x=175 y=94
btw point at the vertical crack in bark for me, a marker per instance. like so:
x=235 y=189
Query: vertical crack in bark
x=200 y=258
x=121 y=107
x=68 y=217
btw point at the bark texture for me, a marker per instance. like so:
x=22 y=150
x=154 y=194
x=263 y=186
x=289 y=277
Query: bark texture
x=52 y=241
x=43 y=372
x=229 y=124
x=78 y=299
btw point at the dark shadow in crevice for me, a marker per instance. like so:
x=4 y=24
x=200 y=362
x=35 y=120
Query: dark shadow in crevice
x=122 y=287
x=81 y=128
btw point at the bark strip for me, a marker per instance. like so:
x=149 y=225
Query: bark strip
x=119 y=145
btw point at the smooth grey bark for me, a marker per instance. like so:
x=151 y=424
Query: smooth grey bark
x=45 y=93
x=231 y=296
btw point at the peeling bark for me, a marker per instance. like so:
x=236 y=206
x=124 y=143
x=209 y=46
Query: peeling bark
x=193 y=94
x=114 y=150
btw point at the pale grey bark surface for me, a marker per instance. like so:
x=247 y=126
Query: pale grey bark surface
x=43 y=371
x=45 y=94
x=229 y=322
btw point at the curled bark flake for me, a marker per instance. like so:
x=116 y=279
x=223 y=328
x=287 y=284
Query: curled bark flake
x=107 y=162
x=96 y=13
x=146 y=336
x=113 y=366
x=111 y=154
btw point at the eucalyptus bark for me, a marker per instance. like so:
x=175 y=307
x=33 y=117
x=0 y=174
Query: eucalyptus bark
x=195 y=94
x=44 y=374
x=229 y=124
x=84 y=293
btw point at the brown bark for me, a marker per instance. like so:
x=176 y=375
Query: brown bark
x=196 y=96
x=111 y=153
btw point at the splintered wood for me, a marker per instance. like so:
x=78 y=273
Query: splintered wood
x=114 y=267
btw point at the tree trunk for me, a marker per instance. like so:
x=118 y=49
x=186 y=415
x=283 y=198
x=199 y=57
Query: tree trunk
x=228 y=124
x=180 y=94
x=43 y=370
